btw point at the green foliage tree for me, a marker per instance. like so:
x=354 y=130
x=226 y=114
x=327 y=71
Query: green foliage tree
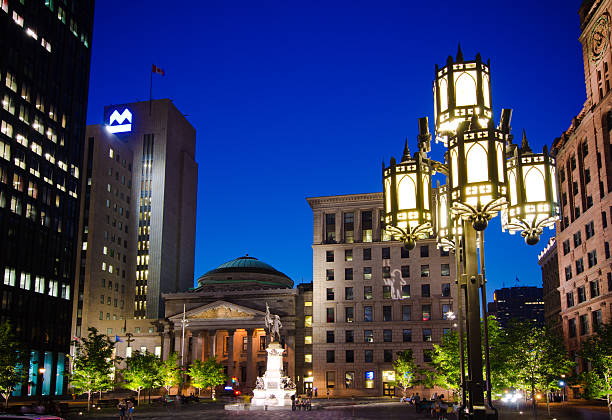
x=92 y=364
x=406 y=370
x=13 y=359
x=141 y=372
x=170 y=372
x=446 y=360
x=597 y=350
x=207 y=374
x=537 y=358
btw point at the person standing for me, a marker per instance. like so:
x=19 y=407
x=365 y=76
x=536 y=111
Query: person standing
x=121 y=407
x=293 y=402
x=130 y=409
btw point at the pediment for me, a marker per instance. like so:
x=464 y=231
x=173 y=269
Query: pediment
x=220 y=310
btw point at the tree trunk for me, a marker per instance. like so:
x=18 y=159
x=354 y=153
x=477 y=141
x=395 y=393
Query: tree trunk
x=88 y=401
x=6 y=398
x=213 y=393
x=138 y=397
x=533 y=402
x=548 y=402
x=607 y=397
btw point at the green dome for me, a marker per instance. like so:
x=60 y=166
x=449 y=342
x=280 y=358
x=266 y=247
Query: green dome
x=245 y=272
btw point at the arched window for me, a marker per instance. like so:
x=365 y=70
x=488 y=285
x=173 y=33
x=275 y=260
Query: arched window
x=476 y=161
x=465 y=90
x=485 y=90
x=535 y=187
x=512 y=181
x=443 y=92
x=406 y=193
x=388 y=194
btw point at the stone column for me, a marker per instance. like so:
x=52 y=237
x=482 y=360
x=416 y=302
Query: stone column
x=196 y=347
x=290 y=354
x=250 y=366
x=177 y=343
x=230 y=354
x=167 y=340
x=212 y=335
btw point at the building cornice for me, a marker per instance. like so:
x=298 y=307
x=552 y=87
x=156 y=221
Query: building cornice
x=348 y=198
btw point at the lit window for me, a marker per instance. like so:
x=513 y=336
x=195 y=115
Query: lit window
x=30 y=32
x=308 y=339
x=18 y=19
x=308 y=358
x=84 y=248
x=9 y=276
x=111 y=153
x=308 y=303
x=24 y=281
x=39 y=284
x=4 y=5
x=308 y=321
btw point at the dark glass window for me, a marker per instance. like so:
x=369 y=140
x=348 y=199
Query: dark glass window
x=350 y=356
x=405 y=271
x=405 y=291
x=577 y=239
x=386 y=272
x=367 y=254
x=425 y=290
x=584 y=324
x=425 y=270
x=348 y=255
x=569 y=297
x=387 y=336
x=330 y=314
x=424 y=251
x=349 y=336
x=581 y=294
x=349 y=314
x=426 y=334
x=405 y=253
x=386 y=253
x=572 y=327
x=330 y=294
x=331 y=356
x=589 y=229
x=407 y=336
x=446 y=289
x=367 y=314
x=568 y=272
x=406 y=313
x=387 y=355
x=386 y=292
x=349 y=227
x=369 y=356
x=387 y=313
x=592 y=257
x=566 y=247
x=330 y=228
x=329 y=256
x=594 y=288
x=368 y=336
x=367 y=292
x=367 y=273
x=445 y=270
x=329 y=274
x=330 y=337
x=348 y=293
x=579 y=266
x=348 y=274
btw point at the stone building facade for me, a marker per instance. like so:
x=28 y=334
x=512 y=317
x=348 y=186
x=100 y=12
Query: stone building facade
x=549 y=263
x=371 y=297
x=584 y=165
x=225 y=319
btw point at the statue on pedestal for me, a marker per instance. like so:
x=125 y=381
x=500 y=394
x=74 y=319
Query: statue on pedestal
x=273 y=324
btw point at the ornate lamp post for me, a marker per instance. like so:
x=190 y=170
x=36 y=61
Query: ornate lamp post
x=485 y=174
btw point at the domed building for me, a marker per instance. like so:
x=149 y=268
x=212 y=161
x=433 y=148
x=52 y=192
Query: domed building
x=225 y=318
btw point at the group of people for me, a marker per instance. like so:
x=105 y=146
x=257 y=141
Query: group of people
x=126 y=409
x=299 y=403
x=437 y=407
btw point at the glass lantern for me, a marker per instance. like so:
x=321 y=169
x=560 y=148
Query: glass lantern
x=407 y=199
x=462 y=90
x=532 y=196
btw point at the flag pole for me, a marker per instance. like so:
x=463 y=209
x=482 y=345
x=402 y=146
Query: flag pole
x=150 y=91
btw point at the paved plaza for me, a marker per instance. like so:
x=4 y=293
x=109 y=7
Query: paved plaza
x=342 y=410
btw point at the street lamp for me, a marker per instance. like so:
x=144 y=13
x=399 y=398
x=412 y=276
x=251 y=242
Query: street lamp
x=485 y=174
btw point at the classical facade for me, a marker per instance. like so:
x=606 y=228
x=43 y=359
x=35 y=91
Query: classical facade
x=549 y=263
x=44 y=79
x=372 y=297
x=140 y=189
x=225 y=319
x=584 y=165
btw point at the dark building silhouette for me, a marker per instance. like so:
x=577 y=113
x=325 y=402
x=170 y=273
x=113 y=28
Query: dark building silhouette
x=520 y=303
x=549 y=263
x=44 y=78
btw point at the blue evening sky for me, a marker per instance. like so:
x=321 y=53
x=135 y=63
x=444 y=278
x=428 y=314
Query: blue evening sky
x=294 y=99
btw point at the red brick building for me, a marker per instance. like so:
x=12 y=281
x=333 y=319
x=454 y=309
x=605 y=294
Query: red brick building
x=584 y=165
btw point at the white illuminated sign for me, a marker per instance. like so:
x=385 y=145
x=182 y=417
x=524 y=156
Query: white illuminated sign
x=120 y=123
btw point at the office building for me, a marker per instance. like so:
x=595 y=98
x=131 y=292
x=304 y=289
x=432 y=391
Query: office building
x=137 y=229
x=44 y=78
x=549 y=263
x=372 y=297
x=523 y=304
x=584 y=165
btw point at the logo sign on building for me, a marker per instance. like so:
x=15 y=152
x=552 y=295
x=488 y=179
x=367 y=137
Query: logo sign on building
x=120 y=122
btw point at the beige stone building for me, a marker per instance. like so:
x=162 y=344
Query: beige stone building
x=584 y=165
x=371 y=297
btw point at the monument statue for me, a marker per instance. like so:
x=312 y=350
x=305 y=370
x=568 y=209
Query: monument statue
x=273 y=324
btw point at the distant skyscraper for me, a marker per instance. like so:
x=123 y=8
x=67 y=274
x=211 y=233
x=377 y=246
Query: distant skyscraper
x=44 y=77
x=137 y=218
x=518 y=303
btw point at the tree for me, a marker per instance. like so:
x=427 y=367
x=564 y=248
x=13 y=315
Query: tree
x=170 y=372
x=92 y=364
x=141 y=372
x=537 y=358
x=597 y=351
x=13 y=358
x=446 y=359
x=208 y=374
x=406 y=370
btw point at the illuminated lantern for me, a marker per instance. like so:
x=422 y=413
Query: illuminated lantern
x=407 y=198
x=462 y=90
x=476 y=172
x=532 y=196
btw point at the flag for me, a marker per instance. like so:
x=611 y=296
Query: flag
x=157 y=70
x=117 y=339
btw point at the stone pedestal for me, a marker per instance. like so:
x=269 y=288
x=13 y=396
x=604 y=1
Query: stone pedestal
x=273 y=389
